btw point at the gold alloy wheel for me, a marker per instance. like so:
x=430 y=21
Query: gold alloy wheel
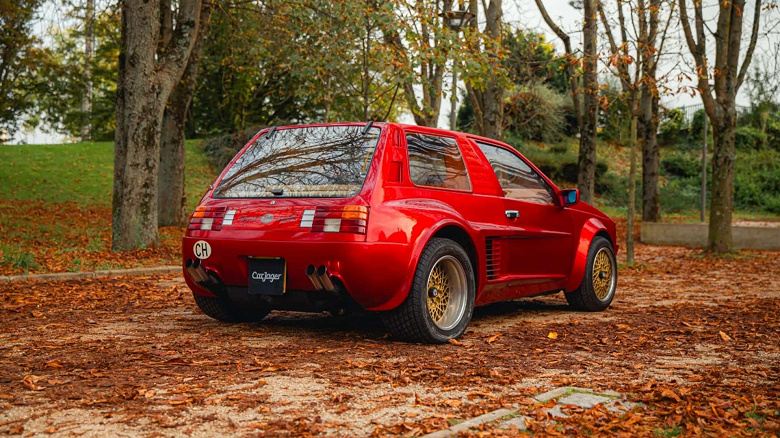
x=447 y=292
x=603 y=274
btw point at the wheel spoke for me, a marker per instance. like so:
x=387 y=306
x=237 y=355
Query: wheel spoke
x=447 y=292
x=602 y=274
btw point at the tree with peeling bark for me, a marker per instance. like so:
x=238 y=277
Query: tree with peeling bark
x=727 y=74
x=144 y=84
x=587 y=113
x=422 y=44
x=572 y=61
x=487 y=95
x=621 y=59
x=171 y=200
x=586 y=174
x=639 y=87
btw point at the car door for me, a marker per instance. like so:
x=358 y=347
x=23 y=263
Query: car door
x=537 y=244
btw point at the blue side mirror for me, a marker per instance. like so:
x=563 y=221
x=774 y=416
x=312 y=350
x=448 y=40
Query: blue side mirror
x=570 y=196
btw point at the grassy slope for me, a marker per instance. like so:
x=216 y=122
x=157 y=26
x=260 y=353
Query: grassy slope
x=80 y=173
x=619 y=162
x=55 y=209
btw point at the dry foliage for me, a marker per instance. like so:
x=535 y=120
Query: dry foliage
x=693 y=339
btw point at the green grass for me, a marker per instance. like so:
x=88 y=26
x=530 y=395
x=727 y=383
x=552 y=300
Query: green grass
x=669 y=432
x=81 y=173
x=17 y=257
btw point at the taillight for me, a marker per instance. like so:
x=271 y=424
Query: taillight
x=208 y=218
x=346 y=219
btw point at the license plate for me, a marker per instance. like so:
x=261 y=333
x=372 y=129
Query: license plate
x=267 y=276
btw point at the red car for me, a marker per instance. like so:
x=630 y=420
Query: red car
x=415 y=223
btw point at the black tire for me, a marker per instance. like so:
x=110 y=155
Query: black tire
x=222 y=309
x=596 y=291
x=453 y=306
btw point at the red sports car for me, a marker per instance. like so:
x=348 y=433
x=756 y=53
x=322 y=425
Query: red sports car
x=415 y=223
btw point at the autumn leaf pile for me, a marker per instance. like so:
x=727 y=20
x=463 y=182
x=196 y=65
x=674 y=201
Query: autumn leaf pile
x=693 y=340
x=66 y=237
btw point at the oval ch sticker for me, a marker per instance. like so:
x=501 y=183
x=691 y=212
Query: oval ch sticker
x=202 y=249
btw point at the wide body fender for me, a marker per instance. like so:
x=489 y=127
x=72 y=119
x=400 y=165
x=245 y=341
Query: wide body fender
x=590 y=229
x=420 y=220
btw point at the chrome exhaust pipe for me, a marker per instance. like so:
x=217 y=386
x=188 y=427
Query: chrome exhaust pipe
x=191 y=271
x=324 y=277
x=201 y=275
x=311 y=272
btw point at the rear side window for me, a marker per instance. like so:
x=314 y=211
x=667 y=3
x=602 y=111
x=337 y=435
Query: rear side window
x=436 y=162
x=329 y=161
x=517 y=179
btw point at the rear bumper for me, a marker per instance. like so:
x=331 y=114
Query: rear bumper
x=371 y=273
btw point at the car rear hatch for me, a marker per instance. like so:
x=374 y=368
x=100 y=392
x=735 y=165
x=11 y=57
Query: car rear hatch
x=293 y=180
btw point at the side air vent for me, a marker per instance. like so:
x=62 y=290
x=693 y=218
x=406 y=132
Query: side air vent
x=493 y=251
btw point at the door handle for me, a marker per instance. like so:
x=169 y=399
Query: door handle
x=512 y=214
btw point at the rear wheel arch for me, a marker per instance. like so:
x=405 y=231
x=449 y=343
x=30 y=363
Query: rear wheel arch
x=462 y=238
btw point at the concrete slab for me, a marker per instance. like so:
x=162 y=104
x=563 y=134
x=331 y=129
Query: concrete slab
x=471 y=423
x=517 y=422
x=564 y=396
x=695 y=235
x=584 y=400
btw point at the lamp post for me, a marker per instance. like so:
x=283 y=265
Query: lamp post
x=703 y=211
x=455 y=20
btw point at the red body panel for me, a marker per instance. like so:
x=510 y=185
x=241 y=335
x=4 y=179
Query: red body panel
x=543 y=250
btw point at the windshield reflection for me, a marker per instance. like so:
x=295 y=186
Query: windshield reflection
x=315 y=161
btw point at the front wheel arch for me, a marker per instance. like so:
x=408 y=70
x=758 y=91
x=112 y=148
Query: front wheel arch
x=599 y=282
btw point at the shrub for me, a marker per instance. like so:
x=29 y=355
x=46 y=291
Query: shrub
x=757 y=181
x=681 y=165
x=681 y=194
x=221 y=150
x=536 y=113
x=672 y=125
x=749 y=138
x=558 y=162
x=615 y=118
x=773 y=134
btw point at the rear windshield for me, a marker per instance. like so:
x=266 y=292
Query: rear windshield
x=329 y=161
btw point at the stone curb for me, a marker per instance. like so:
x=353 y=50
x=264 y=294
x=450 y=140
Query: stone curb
x=134 y=272
x=517 y=420
x=471 y=423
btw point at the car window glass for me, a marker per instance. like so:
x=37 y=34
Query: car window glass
x=516 y=177
x=436 y=162
x=326 y=161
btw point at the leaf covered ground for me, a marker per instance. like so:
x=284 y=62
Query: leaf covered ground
x=693 y=340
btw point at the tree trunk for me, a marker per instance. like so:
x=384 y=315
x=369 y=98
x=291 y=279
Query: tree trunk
x=493 y=99
x=89 y=41
x=587 y=159
x=722 y=199
x=571 y=73
x=651 y=200
x=139 y=111
x=488 y=103
x=631 y=187
x=172 y=205
x=143 y=87
x=727 y=77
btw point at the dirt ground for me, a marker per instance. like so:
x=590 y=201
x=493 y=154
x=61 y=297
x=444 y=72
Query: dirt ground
x=694 y=340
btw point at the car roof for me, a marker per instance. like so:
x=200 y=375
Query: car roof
x=403 y=126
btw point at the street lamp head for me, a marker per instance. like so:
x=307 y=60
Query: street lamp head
x=455 y=20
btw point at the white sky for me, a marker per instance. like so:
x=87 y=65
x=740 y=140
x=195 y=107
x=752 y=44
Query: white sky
x=524 y=14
